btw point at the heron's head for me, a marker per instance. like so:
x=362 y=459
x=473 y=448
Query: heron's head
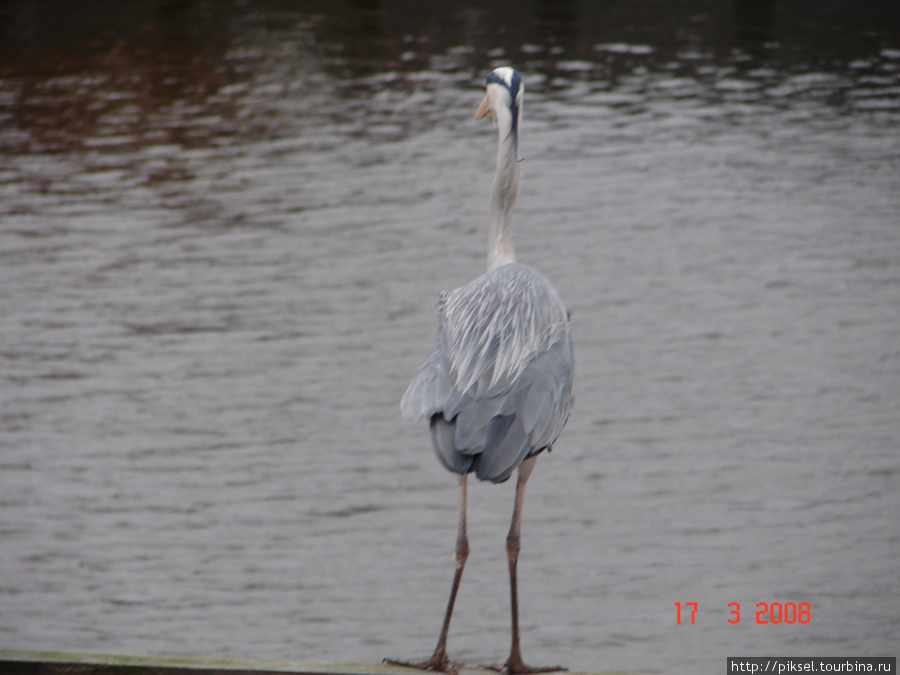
x=503 y=90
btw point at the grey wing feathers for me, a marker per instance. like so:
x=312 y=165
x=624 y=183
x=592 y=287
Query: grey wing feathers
x=498 y=384
x=431 y=386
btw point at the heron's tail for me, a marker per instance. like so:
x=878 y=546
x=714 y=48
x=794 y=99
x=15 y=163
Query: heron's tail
x=506 y=444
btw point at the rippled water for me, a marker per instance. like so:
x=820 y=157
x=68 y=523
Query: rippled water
x=222 y=231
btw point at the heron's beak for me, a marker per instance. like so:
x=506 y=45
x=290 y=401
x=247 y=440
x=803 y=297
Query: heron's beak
x=484 y=109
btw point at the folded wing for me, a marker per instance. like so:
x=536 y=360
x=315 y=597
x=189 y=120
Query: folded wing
x=498 y=384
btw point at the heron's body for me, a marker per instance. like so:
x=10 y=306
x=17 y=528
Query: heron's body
x=497 y=387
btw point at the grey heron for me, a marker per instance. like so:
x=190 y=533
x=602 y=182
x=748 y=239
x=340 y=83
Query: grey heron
x=497 y=387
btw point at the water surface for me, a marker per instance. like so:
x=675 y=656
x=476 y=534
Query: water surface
x=222 y=231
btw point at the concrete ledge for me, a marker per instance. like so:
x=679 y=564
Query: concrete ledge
x=16 y=662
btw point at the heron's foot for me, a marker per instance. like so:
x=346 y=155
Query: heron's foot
x=438 y=663
x=515 y=666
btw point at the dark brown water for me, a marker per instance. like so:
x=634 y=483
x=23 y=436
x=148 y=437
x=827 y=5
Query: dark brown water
x=222 y=230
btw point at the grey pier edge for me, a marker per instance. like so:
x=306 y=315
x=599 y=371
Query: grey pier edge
x=17 y=662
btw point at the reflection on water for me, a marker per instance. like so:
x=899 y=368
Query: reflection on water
x=222 y=229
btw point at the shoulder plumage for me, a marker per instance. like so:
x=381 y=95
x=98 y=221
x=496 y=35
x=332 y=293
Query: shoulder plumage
x=494 y=326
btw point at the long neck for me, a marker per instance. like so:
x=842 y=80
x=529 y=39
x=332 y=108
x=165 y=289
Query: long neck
x=504 y=191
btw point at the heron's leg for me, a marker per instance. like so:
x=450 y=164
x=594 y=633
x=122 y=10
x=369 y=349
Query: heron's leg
x=514 y=664
x=439 y=660
x=462 y=554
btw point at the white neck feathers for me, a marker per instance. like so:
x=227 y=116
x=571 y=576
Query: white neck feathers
x=504 y=190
